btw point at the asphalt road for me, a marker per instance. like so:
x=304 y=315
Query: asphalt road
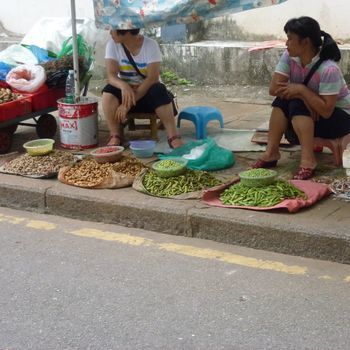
x=69 y=284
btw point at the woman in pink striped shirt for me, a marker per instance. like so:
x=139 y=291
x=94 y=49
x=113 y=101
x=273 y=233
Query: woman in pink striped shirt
x=312 y=98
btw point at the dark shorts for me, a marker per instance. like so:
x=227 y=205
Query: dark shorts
x=337 y=125
x=156 y=96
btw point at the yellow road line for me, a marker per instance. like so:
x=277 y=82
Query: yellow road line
x=41 y=225
x=192 y=251
x=11 y=219
x=186 y=250
x=111 y=236
x=233 y=258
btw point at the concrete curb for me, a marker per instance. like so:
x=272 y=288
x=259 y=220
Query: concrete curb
x=320 y=232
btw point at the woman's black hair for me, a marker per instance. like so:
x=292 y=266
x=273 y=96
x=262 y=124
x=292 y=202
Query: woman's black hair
x=307 y=27
x=131 y=31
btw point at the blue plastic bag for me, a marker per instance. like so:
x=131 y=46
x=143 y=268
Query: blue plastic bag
x=4 y=69
x=41 y=54
x=213 y=157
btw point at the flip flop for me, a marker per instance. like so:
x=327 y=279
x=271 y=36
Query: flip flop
x=114 y=136
x=304 y=173
x=264 y=164
x=173 y=138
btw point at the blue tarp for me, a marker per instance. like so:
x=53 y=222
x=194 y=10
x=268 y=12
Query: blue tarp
x=127 y=14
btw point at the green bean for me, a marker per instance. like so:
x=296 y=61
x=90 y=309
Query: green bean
x=168 y=164
x=241 y=195
x=259 y=172
x=191 y=181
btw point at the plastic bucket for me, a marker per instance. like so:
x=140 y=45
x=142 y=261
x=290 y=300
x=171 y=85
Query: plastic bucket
x=78 y=123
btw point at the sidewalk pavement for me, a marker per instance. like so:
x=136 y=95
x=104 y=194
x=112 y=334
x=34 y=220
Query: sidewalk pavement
x=322 y=231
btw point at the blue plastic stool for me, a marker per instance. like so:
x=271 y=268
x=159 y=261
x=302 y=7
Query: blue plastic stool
x=200 y=116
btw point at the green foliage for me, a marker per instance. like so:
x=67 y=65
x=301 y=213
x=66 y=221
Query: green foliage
x=171 y=78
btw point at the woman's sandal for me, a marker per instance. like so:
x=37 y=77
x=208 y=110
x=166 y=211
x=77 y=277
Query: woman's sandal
x=117 y=138
x=173 y=138
x=304 y=173
x=264 y=164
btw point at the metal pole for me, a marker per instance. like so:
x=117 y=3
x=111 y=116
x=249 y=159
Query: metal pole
x=75 y=52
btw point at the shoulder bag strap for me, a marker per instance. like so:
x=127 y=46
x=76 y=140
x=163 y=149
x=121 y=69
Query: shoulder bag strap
x=132 y=61
x=312 y=71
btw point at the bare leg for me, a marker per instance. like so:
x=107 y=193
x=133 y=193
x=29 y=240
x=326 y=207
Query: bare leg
x=277 y=126
x=304 y=128
x=110 y=104
x=166 y=115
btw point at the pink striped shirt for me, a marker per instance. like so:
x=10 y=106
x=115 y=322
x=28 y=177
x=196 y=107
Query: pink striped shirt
x=327 y=80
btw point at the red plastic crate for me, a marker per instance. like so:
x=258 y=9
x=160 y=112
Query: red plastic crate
x=46 y=98
x=14 y=109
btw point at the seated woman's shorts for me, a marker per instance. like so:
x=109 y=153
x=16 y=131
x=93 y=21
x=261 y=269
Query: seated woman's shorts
x=337 y=125
x=156 y=96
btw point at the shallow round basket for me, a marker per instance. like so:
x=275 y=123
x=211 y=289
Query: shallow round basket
x=178 y=169
x=107 y=154
x=143 y=148
x=39 y=147
x=251 y=178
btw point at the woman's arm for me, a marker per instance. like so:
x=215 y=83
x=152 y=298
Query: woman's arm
x=277 y=78
x=321 y=104
x=128 y=95
x=153 y=73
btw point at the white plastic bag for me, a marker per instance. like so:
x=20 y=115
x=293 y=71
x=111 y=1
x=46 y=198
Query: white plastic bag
x=26 y=78
x=17 y=54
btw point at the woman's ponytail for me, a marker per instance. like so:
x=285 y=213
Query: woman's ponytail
x=329 y=49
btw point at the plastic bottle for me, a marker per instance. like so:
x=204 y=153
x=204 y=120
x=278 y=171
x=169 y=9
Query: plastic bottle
x=70 y=87
x=346 y=160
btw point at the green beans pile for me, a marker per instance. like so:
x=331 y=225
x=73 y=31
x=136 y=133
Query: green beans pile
x=191 y=181
x=168 y=164
x=259 y=172
x=268 y=196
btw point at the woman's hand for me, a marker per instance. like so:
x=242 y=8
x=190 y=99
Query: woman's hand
x=289 y=91
x=128 y=96
x=120 y=114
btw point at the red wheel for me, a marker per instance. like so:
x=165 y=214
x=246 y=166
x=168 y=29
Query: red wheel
x=46 y=126
x=5 y=141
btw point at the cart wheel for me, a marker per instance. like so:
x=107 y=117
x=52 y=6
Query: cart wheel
x=11 y=129
x=5 y=141
x=46 y=126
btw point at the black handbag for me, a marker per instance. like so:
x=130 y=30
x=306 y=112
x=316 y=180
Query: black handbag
x=170 y=94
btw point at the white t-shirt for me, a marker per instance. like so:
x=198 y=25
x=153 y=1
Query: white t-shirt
x=149 y=53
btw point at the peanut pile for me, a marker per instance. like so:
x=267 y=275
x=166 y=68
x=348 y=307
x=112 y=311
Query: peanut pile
x=39 y=165
x=88 y=173
x=6 y=95
x=129 y=166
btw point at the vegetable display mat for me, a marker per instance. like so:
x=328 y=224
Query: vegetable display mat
x=138 y=186
x=313 y=190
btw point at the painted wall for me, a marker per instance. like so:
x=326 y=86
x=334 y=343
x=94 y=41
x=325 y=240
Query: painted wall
x=333 y=16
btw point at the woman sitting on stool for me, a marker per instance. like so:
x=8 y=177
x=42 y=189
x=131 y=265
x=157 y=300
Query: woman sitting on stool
x=307 y=105
x=135 y=90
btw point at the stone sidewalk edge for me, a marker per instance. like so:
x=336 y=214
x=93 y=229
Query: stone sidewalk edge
x=260 y=230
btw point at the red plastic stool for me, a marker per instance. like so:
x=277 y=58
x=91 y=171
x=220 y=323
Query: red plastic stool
x=337 y=146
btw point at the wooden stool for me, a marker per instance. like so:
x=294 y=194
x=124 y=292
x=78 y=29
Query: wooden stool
x=152 y=126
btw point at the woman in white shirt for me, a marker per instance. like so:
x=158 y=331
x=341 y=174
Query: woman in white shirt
x=134 y=90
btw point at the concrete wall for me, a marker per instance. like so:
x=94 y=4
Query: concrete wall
x=267 y=23
x=230 y=63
